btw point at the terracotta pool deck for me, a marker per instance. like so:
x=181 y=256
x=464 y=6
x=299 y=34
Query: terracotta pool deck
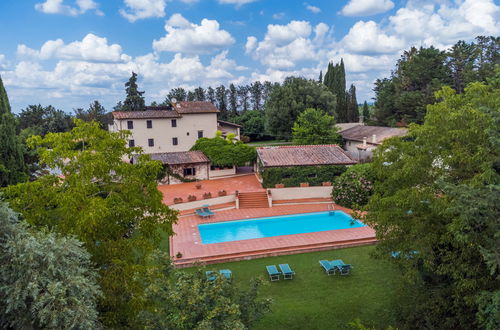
x=187 y=239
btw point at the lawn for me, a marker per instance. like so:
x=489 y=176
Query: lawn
x=269 y=143
x=313 y=300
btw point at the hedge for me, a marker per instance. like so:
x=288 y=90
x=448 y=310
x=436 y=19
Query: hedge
x=293 y=176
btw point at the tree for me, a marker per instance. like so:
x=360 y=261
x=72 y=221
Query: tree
x=191 y=96
x=266 y=91
x=187 y=300
x=134 y=100
x=199 y=94
x=221 y=99
x=256 y=90
x=335 y=81
x=320 y=78
x=113 y=206
x=253 y=124
x=488 y=51
x=314 y=126
x=46 y=280
x=366 y=112
x=243 y=97
x=461 y=60
x=95 y=112
x=12 y=166
x=211 y=95
x=42 y=120
x=233 y=100
x=354 y=187
x=437 y=194
x=225 y=151
x=290 y=99
x=352 y=105
x=179 y=94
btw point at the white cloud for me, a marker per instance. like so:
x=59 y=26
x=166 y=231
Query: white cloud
x=3 y=62
x=140 y=9
x=91 y=48
x=312 y=9
x=279 y=15
x=250 y=44
x=367 y=38
x=366 y=7
x=57 y=7
x=238 y=3
x=185 y=37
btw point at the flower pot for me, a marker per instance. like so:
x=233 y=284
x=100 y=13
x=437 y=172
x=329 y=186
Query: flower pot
x=279 y=185
x=327 y=184
x=304 y=184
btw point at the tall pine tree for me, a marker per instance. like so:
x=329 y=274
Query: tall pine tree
x=233 y=100
x=12 y=167
x=352 y=105
x=134 y=100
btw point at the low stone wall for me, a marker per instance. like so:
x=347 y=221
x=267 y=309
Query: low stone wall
x=224 y=172
x=199 y=203
x=300 y=192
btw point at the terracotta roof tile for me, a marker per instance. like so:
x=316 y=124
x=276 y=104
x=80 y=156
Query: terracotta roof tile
x=357 y=133
x=148 y=114
x=226 y=123
x=182 y=157
x=195 y=107
x=308 y=155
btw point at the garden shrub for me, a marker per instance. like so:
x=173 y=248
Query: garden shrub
x=294 y=176
x=354 y=187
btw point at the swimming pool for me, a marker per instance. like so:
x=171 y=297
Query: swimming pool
x=276 y=226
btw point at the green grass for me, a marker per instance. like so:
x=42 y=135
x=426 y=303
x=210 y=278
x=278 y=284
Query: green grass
x=269 y=143
x=313 y=300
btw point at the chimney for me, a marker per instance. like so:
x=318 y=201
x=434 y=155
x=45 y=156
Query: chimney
x=374 y=138
x=364 y=141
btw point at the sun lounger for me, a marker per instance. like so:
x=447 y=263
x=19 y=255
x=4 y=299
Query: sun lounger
x=342 y=267
x=274 y=274
x=329 y=268
x=201 y=213
x=286 y=271
x=207 y=210
x=211 y=275
x=226 y=273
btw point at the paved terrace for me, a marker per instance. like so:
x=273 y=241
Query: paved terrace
x=187 y=239
x=242 y=183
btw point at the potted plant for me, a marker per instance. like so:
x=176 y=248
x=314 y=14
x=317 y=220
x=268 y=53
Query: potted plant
x=177 y=200
x=207 y=195
x=304 y=184
x=327 y=184
x=191 y=198
x=178 y=255
x=198 y=186
x=222 y=193
x=279 y=185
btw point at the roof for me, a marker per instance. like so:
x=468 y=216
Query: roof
x=308 y=155
x=357 y=133
x=181 y=157
x=343 y=126
x=145 y=114
x=195 y=107
x=226 y=123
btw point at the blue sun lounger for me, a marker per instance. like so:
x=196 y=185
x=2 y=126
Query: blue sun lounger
x=286 y=271
x=226 y=273
x=343 y=268
x=211 y=275
x=328 y=267
x=207 y=210
x=274 y=274
x=201 y=213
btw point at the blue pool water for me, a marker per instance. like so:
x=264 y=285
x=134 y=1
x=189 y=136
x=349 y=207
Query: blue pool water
x=275 y=226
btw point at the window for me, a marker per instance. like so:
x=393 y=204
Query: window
x=175 y=141
x=189 y=171
x=200 y=134
x=151 y=142
x=187 y=133
x=130 y=124
x=312 y=175
x=174 y=122
x=149 y=123
x=131 y=143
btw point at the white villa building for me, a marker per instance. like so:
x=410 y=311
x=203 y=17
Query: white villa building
x=168 y=133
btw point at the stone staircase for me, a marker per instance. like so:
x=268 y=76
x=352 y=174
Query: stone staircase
x=253 y=199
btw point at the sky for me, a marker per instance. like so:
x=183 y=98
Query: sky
x=67 y=53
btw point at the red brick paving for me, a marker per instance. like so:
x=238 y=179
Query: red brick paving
x=187 y=238
x=241 y=183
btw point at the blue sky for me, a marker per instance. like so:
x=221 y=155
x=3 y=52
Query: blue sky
x=70 y=52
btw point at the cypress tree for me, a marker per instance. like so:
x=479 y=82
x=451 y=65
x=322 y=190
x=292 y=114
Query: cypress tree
x=366 y=111
x=352 y=105
x=12 y=166
x=134 y=100
x=320 y=79
x=335 y=81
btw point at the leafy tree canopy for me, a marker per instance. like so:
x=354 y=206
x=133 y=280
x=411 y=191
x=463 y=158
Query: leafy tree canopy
x=253 y=124
x=354 y=187
x=314 y=126
x=95 y=112
x=46 y=280
x=287 y=101
x=40 y=120
x=225 y=151
x=114 y=207
x=186 y=300
x=134 y=100
x=437 y=193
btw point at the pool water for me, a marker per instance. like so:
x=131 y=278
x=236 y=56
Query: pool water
x=276 y=226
